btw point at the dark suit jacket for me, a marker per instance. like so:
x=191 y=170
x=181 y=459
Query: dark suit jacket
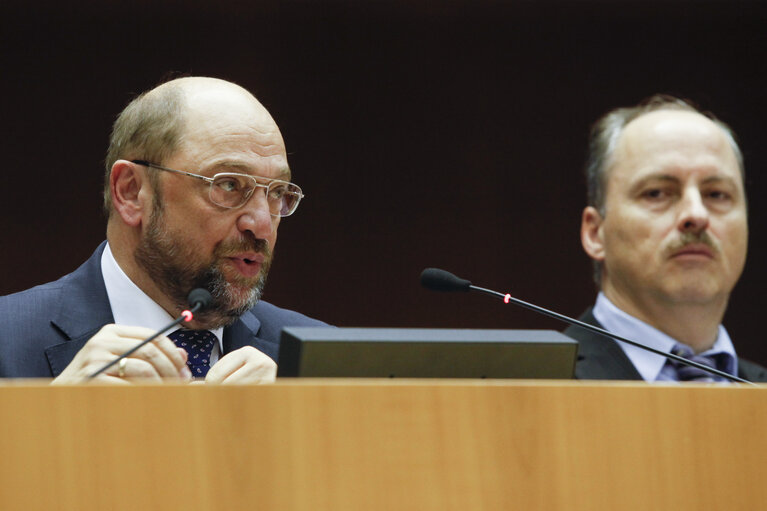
x=45 y=326
x=601 y=358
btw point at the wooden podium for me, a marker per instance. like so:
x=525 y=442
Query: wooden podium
x=384 y=445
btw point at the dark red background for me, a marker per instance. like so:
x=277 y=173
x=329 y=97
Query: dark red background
x=447 y=134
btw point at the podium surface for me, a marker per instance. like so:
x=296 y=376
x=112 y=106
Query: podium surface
x=384 y=444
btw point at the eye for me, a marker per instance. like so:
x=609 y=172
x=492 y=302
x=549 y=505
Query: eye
x=277 y=191
x=719 y=195
x=654 y=193
x=228 y=184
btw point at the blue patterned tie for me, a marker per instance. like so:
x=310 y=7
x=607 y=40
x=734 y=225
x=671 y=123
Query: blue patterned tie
x=199 y=346
x=689 y=373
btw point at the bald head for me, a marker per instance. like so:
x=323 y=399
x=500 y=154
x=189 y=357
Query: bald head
x=153 y=126
x=202 y=88
x=213 y=97
x=679 y=135
x=607 y=132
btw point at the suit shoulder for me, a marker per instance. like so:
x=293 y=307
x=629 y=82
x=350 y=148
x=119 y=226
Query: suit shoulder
x=268 y=313
x=752 y=371
x=31 y=301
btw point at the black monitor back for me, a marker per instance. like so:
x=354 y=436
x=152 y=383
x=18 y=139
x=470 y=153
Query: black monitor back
x=425 y=353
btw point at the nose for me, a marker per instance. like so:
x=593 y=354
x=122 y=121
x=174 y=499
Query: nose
x=254 y=216
x=694 y=216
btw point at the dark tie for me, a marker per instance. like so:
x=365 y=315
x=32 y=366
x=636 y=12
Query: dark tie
x=199 y=346
x=689 y=373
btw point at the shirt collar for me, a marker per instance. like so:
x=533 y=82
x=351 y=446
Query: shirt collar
x=649 y=365
x=130 y=305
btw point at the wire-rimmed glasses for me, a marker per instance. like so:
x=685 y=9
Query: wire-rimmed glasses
x=232 y=190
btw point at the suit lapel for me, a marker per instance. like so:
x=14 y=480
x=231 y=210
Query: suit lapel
x=83 y=309
x=241 y=333
x=600 y=358
x=244 y=332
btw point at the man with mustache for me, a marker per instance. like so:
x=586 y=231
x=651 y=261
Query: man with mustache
x=666 y=227
x=197 y=181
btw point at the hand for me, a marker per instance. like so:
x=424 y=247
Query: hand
x=245 y=365
x=156 y=360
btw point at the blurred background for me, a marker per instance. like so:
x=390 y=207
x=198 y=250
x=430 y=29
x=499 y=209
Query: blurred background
x=448 y=134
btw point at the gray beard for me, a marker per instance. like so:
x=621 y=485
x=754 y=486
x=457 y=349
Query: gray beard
x=170 y=264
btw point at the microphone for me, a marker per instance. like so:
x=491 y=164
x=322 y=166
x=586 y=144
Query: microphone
x=441 y=280
x=444 y=281
x=198 y=298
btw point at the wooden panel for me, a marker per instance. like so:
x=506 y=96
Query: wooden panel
x=336 y=445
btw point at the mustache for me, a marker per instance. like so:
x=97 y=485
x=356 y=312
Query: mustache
x=693 y=238
x=226 y=248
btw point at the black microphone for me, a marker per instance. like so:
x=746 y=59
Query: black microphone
x=441 y=280
x=198 y=298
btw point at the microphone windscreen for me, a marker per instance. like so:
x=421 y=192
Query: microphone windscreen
x=441 y=280
x=199 y=296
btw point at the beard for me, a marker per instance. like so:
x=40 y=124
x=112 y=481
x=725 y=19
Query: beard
x=175 y=266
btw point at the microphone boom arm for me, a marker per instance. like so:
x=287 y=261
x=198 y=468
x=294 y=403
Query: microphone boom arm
x=508 y=298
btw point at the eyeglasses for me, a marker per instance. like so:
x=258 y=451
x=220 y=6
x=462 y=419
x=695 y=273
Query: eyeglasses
x=232 y=190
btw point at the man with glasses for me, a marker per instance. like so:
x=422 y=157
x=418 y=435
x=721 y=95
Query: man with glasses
x=666 y=227
x=197 y=181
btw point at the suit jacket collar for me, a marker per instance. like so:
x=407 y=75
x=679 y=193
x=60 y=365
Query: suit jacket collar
x=599 y=357
x=83 y=308
x=241 y=333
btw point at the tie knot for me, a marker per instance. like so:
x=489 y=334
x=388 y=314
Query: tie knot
x=182 y=336
x=199 y=347
x=682 y=350
x=690 y=373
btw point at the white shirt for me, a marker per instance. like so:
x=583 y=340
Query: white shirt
x=132 y=307
x=650 y=366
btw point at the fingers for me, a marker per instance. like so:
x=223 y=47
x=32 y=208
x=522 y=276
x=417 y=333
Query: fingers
x=156 y=360
x=153 y=369
x=245 y=365
x=163 y=358
x=135 y=369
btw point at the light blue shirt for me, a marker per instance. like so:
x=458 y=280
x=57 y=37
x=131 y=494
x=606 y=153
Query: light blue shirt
x=654 y=367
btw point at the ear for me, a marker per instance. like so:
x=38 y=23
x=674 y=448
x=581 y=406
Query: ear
x=129 y=187
x=591 y=234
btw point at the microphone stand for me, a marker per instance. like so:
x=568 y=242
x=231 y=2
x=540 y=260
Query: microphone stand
x=441 y=280
x=508 y=298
